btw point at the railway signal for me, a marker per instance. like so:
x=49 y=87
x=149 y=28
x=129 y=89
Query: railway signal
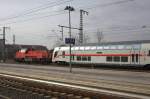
x=70 y=40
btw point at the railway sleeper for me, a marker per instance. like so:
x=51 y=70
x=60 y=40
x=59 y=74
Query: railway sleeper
x=20 y=89
x=54 y=88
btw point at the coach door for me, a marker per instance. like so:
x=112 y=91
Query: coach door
x=135 y=57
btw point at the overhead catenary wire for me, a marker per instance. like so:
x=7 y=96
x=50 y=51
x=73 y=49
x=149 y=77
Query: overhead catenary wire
x=146 y=32
x=120 y=30
x=127 y=29
x=37 y=9
x=103 y=5
x=66 y=1
x=109 y=4
x=35 y=18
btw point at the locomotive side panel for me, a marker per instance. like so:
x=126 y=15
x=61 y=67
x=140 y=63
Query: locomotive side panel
x=30 y=55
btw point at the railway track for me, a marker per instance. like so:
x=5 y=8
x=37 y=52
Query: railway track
x=115 y=68
x=17 y=87
x=130 y=82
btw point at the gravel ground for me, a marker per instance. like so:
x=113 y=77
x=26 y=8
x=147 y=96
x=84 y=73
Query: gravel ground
x=137 y=82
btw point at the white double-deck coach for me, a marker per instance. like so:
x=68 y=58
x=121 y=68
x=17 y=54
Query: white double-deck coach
x=127 y=53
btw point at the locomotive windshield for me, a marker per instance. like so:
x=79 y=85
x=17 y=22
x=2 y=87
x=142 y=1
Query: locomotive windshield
x=23 y=50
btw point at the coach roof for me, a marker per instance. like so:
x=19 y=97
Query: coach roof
x=117 y=43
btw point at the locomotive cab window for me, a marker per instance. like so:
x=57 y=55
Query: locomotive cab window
x=55 y=54
x=149 y=53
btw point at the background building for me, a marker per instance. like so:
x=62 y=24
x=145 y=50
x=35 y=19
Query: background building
x=12 y=48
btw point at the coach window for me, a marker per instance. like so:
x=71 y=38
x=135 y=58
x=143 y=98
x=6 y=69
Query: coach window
x=99 y=52
x=113 y=47
x=81 y=48
x=87 y=48
x=109 y=58
x=93 y=48
x=116 y=59
x=78 y=58
x=89 y=58
x=84 y=58
x=124 y=59
x=76 y=48
x=106 y=47
x=121 y=46
x=149 y=53
x=55 y=54
x=63 y=54
x=99 y=47
x=72 y=57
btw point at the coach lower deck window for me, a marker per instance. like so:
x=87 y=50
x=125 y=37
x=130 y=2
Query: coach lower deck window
x=133 y=58
x=78 y=58
x=89 y=58
x=63 y=54
x=116 y=59
x=84 y=58
x=124 y=59
x=72 y=57
x=109 y=58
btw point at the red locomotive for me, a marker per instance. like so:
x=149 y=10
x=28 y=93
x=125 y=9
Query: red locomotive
x=33 y=56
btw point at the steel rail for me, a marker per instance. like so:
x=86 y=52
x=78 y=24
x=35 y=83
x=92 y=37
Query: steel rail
x=109 y=93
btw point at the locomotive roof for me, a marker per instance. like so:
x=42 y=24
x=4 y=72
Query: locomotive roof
x=117 y=43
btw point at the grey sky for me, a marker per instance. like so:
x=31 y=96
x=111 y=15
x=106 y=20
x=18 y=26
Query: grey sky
x=118 y=19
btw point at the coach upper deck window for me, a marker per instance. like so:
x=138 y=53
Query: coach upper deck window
x=87 y=48
x=100 y=47
x=106 y=47
x=121 y=46
x=81 y=48
x=76 y=48
x=93 y=48
x=113 y=47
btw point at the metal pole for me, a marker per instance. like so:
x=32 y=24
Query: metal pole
x=4 y=44
x=81 y=25
x=62 y=33
x=81 y=28
x=70 y=9
x=70 y=64
x=14 y=39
